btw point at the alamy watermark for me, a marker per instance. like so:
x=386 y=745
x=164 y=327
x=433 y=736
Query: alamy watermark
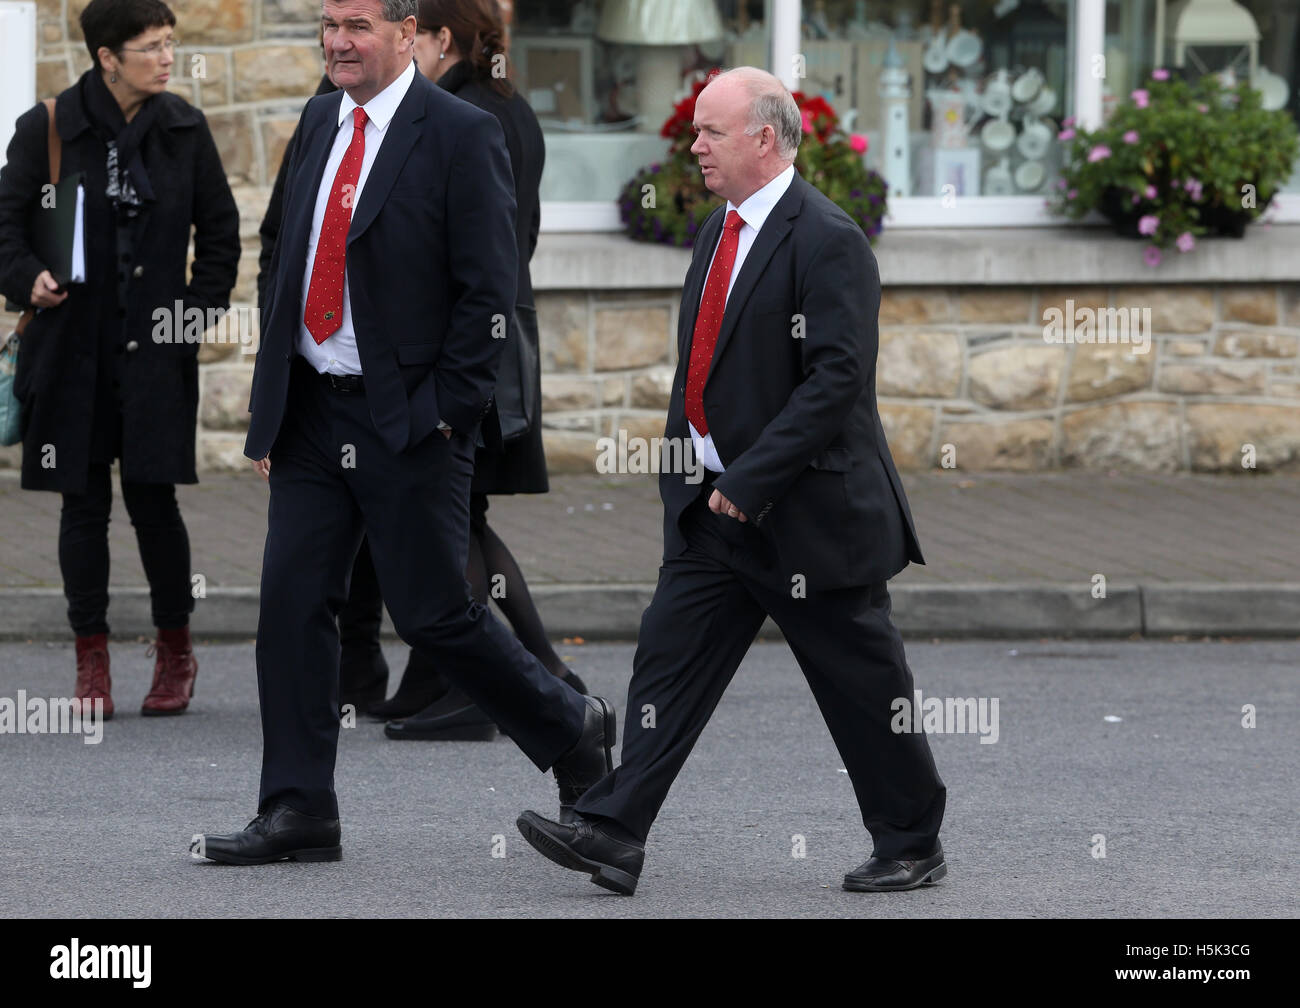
x=54 y=716
x=178 y=324
x=648 y=455
x=1083 y=324
x=945 y=716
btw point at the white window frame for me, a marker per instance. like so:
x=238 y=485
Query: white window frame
x=1087 y=29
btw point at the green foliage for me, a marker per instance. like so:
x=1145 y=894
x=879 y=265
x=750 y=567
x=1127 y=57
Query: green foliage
x=1179 y=159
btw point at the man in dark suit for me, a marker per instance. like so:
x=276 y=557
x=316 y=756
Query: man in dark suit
x=800 y=516
x=375 y=369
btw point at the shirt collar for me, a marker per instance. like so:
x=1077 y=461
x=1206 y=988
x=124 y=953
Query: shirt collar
x=754 y=210
x=383 y=106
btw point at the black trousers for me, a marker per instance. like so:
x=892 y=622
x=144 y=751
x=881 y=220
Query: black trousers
x=333 y=480
x=83 y=551
x=706 y=611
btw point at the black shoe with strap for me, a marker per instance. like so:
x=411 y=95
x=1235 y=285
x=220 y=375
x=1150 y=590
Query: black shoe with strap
x=453 y=718
x=278 y=833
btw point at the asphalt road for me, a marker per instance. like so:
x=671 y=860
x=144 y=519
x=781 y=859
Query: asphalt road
x=1198 y=812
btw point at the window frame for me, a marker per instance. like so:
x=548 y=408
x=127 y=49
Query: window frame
x=1087 y=30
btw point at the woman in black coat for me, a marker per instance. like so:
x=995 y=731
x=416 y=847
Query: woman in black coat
x=460 y=45
x=101 y=374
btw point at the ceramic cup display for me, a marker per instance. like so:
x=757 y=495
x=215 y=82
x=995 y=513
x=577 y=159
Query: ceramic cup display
x=1035 y=138
x=1029 y=176
x=997 y=180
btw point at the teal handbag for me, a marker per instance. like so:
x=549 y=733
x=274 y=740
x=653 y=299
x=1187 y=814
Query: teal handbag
x=10 y=409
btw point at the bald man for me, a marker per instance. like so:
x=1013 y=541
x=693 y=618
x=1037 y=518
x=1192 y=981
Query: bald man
x=800 y=515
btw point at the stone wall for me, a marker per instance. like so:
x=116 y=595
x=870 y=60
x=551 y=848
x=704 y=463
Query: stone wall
x=966 y=379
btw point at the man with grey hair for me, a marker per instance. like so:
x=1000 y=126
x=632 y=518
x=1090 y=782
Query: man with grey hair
x=801 y=515
x=393 y=270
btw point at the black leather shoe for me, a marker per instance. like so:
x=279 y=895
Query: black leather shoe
x=454 y=718
x=591 y=759
x=585 y=847
x=277 y=834
x=883 y=875
x=421 y=686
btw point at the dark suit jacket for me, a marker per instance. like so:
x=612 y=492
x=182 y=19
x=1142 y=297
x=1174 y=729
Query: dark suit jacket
x=794 y=417
x=424 y=318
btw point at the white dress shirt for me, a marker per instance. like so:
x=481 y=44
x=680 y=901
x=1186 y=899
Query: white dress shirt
x=753 y=212
x=338 y=354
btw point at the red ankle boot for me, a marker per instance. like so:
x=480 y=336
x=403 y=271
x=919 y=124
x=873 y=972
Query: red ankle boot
x=93 y=681
x=174 y=671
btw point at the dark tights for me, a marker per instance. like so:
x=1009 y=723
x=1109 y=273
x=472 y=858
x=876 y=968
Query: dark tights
x=83 y=551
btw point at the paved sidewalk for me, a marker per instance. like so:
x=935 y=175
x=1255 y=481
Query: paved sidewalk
x=1007 y=554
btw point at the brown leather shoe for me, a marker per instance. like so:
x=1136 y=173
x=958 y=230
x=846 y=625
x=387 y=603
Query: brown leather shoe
x=174 y=671
x=93 y=680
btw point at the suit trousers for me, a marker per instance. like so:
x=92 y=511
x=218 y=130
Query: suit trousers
x=332 y=480
x=707 y=609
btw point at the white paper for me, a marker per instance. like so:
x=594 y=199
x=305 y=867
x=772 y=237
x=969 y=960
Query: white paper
x=79 y=239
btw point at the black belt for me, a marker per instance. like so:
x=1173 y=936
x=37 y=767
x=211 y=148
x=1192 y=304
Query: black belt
x=342 y=384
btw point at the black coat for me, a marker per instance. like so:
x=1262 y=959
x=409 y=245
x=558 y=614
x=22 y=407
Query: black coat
x=59 y=363
x=521 y=466
x=794 y=417
x=424 y=303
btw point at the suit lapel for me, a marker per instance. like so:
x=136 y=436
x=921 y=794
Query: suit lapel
x=315 y=154
x=398 y=141
x=693 y=289
x=774 y=230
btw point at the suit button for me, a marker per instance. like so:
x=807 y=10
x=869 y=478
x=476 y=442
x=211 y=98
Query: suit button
x=138 y=272
x=132 y=346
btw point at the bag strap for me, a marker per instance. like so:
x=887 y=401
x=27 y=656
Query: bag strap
x=53 y=144
x=54 y=154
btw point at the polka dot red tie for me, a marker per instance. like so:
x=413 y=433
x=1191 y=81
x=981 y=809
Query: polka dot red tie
x=708 y=323
x=324 y=312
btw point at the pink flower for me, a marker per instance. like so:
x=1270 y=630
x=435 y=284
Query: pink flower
x=1131 y=137
x=1061 y=183
x=1098 y=153
x=1151 y=192
x=1065 y=134
x=1067 y=122
x=807 y=121
x=1159 y=73
x=1072 y=194
x=1147 y=225
x=1151 y=256
x=1185 y=242
x=1194 y=187
x=858 y=142
x=1202 y=108
x=1136 y=197
x=1141 y=98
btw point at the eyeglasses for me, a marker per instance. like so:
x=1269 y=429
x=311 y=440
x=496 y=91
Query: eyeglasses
x=156 y=48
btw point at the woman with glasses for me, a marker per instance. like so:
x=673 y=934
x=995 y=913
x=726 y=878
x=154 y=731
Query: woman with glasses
x=108 y=369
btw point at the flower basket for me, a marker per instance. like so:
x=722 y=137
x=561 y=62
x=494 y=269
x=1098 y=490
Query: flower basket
x=1179 y=160
x=667 y=202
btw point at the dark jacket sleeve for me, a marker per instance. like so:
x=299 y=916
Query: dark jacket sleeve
x=840 y=301
x=216 y=228
x=481 y=212
x=25 y=170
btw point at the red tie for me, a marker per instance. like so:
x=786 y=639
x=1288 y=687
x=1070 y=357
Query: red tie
x=708 y=323
x=324 y=312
